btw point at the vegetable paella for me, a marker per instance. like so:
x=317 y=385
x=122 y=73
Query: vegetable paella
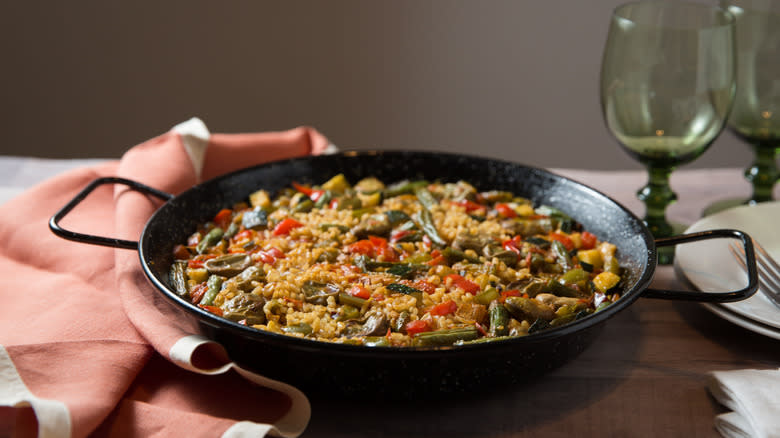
x=411 y=263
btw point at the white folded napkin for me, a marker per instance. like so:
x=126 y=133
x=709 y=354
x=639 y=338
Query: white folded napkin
x=754 y=398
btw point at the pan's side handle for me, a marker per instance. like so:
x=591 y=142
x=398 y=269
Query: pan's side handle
x=55 y=227
x=712 y=297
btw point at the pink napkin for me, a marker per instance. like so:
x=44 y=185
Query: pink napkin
x=82 y=349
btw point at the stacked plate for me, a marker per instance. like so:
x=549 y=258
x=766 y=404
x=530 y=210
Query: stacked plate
x=710 y=267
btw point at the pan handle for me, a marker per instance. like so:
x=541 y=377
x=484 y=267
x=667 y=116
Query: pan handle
x=55 y=227
x=711 y=297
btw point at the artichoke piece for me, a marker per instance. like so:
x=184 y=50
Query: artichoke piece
x=375 y=325
x=178 y=278
x=399 y=325
x=246 y=279
x=508 y=257
x=228 y=265
x=318 y=293
x=528 y=309
x=464 y=241
x=375 y=225
x=469 y=311
x=255 y=218
x=245 y=306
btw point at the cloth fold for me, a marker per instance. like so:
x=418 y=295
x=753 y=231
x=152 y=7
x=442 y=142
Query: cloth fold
x=754 y=399
x=82 y=345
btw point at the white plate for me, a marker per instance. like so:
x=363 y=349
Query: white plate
x=710 y=267
x=742 y=321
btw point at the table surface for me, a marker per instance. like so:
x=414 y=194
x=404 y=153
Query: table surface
x=645 y=374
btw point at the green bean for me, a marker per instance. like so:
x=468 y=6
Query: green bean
x=484 y=339
x=487 y=296
x=562 y=255
x=561 y=290
x=302 y=328
x=347 y=312
x=538 y=325
x=304 y=206
x=324 y=199
x=214 y=286
x=403 y=188
x=210 y=239
x=425 y=197
x=445 y=337
x=347 y=299
x=499 y=319
x=396 y=216
x=376 y=341
x=424 y=220
x=575 y=276
x=326 y=227
x=455 y=255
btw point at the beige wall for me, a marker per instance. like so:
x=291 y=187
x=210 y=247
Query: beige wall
x=510 y=79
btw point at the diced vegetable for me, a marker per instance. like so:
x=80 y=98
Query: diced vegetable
x=606 y=281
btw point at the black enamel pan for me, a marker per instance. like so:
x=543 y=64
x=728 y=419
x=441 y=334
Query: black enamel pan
x=391 y=371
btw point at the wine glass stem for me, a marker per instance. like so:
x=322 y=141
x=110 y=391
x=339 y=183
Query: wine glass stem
x=763 y=174
x=657 y=195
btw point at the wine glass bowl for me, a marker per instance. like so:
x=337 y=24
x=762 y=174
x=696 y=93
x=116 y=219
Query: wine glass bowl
x=667 y=86
x=755 y=116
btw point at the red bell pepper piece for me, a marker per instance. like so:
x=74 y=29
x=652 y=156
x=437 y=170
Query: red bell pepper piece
x=364 y=247
x=223 y=218
x=564 y=239
x=213 y=309
x=397 y=235
x=197 y=292
x=510 y=245
x=285 y=226
x=589 y=240
x=509 y=293
x=359 y=291
x=467 y=285
x=505 y=210
x=306 y=190
x=424 y=286
x=417 y=326
x=470 y=205
x=446 y=308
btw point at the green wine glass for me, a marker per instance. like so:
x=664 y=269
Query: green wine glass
x=667 y=85
x=755 y=117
